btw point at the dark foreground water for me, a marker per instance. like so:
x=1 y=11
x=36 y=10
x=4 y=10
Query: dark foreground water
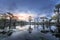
x=22 y=33
x=25 y=35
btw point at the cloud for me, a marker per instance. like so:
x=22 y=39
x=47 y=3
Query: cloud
x=29 y=6
x=58 y=2
x=25 y=15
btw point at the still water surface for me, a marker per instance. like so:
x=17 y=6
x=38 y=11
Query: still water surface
x=37 y=27
x=35 y=35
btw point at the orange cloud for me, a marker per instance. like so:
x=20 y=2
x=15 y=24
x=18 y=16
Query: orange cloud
x=24 y=16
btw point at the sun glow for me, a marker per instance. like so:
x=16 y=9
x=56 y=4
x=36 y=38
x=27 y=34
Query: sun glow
x=24 y=16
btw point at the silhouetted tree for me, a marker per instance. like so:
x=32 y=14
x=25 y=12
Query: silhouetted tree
x=10 y=15
x=57 y=7
x=43 y=21
x=57 y=10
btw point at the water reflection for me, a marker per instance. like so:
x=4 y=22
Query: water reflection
x=36 y=27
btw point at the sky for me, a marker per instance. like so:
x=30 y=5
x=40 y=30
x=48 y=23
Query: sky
x=45 y=7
